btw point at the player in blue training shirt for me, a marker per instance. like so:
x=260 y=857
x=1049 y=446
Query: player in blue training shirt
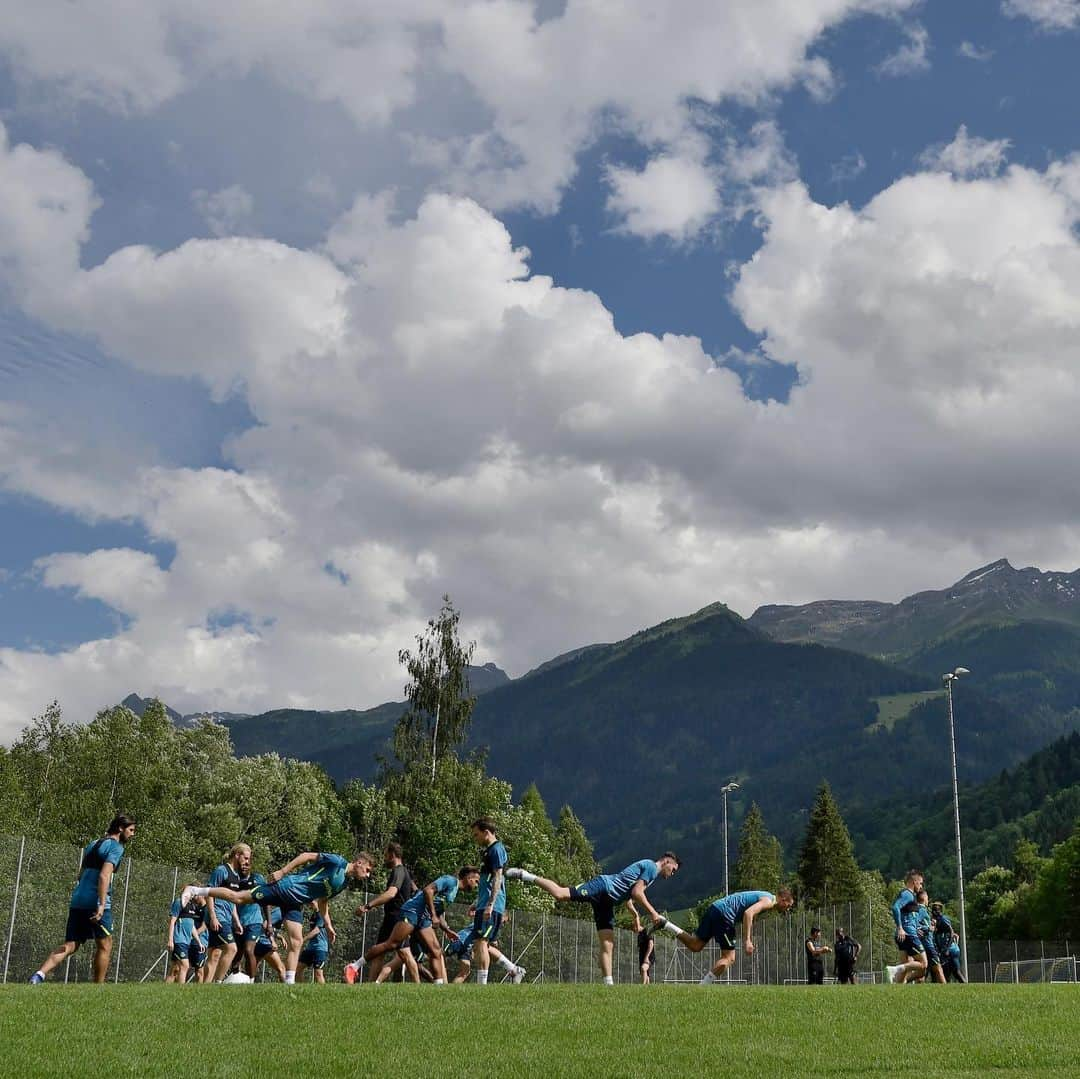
x=491 y=900
x=90 y=911
x=604 y=893
x=720 y=923
x=946 y=942
x=459 y=947
x=183 y=938
x=926 y=935
x=222 y=921
x=309 y=878
x=420 y=915
x=316 y=949
x=905 y=912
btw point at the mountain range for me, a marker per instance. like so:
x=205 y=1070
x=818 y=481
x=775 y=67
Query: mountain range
x=638 y=735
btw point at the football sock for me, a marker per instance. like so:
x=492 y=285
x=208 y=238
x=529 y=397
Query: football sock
x=670 y=927
x=439 y=981
x=481 y=977
x=527 y=877
x=200 y=891
x=708 y=979
x=506 y=964
x=608 y=980
x=290 y=977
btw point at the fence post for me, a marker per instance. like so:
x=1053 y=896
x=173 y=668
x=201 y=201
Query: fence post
x=14 y=908
x=870 y=930
x=123 y=913
x=543 y=942
x=67 y=962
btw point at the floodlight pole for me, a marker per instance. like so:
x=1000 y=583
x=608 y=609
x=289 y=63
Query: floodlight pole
x=724 y=791
x=948 y=679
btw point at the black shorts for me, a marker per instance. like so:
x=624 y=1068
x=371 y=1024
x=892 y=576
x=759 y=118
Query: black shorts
x=387 y=927
x=603 y=906
x=815 y=975
x=644 y=956
x=220 y=938
x=487 y=929
x=81 y=928
x=911 y=945
x=844 y=972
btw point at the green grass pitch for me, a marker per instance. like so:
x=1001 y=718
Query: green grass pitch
x=556 y=1030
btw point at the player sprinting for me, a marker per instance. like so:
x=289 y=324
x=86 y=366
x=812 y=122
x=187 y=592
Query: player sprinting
x=905 y=912
x=90 y=909
x=604 y=893
x=491 y=900
x=459 y=947
x=720 y=922
x=183 y=938
x=309 y=878
x=221 y=919
x=316 y=949
x=420 y=915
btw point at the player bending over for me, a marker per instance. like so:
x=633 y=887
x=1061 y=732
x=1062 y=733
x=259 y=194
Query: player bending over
x=905 y=912
x=719 y=923
x=316 y=950
x=604 y=893
x=90 y=910
x=309 y=878
x=420 y=915
x=460 y=948
x=184 y=943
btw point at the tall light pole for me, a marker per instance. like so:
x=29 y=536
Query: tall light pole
x=948 y=680
x=725 y=790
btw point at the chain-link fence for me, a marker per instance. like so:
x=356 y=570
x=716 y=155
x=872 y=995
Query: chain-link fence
x=36 y=881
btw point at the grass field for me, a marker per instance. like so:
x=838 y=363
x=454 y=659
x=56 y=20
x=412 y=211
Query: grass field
x=558 y=1030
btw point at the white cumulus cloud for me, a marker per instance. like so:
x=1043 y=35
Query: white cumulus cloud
x=1046 y=14
x=967 y=155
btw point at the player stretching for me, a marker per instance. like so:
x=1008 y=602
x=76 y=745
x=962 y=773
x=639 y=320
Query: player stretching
x=184 y=941
x=491 y=900
x=316 y=950
x=460 y=948
x=604 y=893
x=309 y=878
x=420 y=915
x=90 y=910
x=905 y=912
x=221 y=914
x=719 y=922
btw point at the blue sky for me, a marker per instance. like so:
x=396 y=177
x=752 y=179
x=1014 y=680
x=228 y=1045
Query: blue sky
x=134 y=421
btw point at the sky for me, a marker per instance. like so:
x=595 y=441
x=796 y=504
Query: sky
x=587 y=313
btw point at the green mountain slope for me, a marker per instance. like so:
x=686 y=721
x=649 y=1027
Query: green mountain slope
x=640 y=734
x=994 y=593
x=1037 y=800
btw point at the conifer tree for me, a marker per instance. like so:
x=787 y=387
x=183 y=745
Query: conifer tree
x=760 y=864
x=828 y=871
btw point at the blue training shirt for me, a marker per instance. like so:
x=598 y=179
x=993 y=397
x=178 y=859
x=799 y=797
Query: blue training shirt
x=618 y=885
x=320 y=943
x=95 y=855
x=494 y=857
x=224 y=876
x=905 y=912
x=251 y=914
x=321 y=879
x=184 y=926
x=446 y=890
x=734 y=906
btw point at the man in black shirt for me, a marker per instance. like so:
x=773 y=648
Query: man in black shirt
x=815 y=963
x=399 y=889
x=846 y=951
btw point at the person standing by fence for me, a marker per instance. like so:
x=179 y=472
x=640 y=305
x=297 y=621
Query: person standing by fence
x=846 y=950
x=815 y=957
x=90 y=911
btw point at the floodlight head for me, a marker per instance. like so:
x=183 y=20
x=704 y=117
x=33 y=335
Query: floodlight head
x=733 y=786
x=961 y=670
